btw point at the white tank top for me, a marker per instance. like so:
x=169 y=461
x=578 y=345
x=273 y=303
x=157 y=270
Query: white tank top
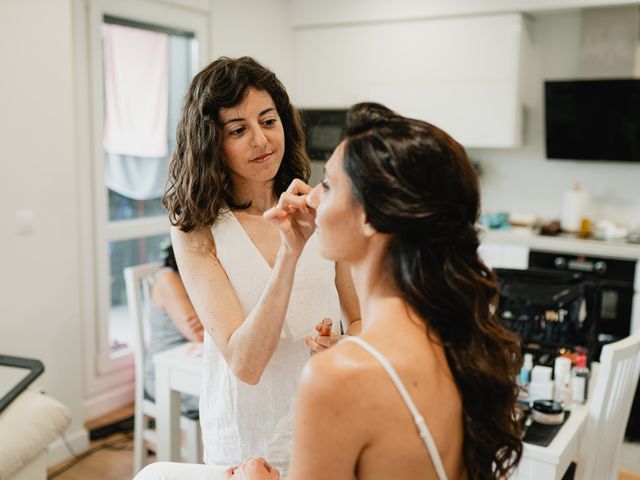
x=240 y=420
x=423 y=429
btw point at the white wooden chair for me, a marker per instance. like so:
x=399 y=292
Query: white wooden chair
x=610 y=405
x=137 y=295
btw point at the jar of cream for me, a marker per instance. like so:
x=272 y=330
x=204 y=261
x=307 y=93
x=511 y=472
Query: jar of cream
x=547 y=412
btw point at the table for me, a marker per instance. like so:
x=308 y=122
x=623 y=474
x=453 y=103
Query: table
x=552 y=461
x=178 y=370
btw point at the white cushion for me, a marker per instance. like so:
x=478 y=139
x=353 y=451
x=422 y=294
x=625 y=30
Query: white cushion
x=30 y=423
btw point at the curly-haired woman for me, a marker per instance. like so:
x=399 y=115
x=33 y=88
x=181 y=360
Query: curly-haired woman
x=258 y=286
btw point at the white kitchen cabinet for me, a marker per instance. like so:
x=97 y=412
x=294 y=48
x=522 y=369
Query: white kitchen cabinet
x=461 y=74
x=502 y=255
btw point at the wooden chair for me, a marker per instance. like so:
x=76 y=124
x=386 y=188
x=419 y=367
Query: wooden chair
x=137 y=294
x=610 y=405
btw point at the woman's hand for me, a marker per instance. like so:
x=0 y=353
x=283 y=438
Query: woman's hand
x=325 y=338
x=253 y=469
x=294 y=218
x=196 y=328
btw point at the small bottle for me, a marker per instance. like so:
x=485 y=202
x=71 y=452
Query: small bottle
x=567 y=392
x=325 y=328
x=525 y=371
x=580 y=379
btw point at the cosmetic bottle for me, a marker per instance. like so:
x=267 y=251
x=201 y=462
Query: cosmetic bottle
x=525 y=371
x=567 y=395
x=580 y=379
x=561 y=368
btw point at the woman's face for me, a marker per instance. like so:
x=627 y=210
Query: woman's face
x=253 y=138
x=339 y=217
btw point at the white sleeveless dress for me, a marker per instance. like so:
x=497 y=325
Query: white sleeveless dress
x=240 y=420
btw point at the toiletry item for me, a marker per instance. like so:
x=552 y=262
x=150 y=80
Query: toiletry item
x=547 y=412
x=567 y=396
x=525 y=371
x=580 y=379
x=541 y=374
x=541 y=385
x=574 y=205
x=325 y=329
x=561 y=368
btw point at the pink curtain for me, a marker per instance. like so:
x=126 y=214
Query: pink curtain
x=136 y=75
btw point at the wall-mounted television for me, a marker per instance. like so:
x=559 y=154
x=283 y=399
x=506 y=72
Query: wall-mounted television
x=593 y=120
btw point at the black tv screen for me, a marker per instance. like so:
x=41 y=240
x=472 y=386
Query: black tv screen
x=593 y=120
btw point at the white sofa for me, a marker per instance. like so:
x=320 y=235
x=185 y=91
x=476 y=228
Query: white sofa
x=27 y=426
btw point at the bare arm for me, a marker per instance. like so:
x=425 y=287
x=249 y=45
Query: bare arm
x=350 y=312
x=169 y=294
x=246 y=343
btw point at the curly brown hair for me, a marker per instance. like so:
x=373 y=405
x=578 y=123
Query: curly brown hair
x=416 y=184
x=199 y=184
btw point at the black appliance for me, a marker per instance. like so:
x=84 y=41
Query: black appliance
x=614 y=281
x=552 y=312
x=593 y=119
x=324 y=129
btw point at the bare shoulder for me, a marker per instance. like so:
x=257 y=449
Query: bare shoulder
x=166 y=279
x=342 y=371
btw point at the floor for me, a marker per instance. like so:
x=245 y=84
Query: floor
x=109 y=458
x=630 y=457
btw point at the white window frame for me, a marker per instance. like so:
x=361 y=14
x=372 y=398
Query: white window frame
x=105 y=371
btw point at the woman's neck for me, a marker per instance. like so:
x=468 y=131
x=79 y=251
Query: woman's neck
x=260 y=195
x=380 y=298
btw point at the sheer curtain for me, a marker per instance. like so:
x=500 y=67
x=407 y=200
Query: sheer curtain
x=146 y=75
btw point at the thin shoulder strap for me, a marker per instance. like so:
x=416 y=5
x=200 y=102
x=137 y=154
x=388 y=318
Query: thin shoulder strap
x=417 y=418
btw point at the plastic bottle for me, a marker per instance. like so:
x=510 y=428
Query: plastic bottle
x=567 y=392
x=574 y=204
x=525 y=371
x=580 y=379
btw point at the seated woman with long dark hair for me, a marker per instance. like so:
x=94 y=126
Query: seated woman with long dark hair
x=429 y=381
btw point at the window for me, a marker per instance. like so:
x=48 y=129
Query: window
x=140 y=58
x=147 y=70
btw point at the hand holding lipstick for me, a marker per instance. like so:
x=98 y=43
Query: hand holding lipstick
x=325 y=338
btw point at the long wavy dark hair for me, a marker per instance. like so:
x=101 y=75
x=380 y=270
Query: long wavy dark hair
x=199 y=185
x=416 y=184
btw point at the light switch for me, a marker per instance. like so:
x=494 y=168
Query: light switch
x=25 y=222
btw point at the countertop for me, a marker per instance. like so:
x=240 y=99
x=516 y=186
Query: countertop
x=596 y=248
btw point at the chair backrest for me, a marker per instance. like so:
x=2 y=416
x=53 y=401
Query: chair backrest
x=137 y=293
x=609 y=409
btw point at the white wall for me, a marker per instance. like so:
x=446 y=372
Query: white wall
x=522 y=179
x=39 y=288
x=314 y=12
x=261 y=29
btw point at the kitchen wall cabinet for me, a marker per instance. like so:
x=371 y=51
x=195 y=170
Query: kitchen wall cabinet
x=462 y=74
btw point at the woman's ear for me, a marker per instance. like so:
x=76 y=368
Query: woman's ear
x=369 y=231
x=367 y=228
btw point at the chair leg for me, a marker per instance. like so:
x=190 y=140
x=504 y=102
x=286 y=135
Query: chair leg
x=200 y=446
x=191 y=439
x=138 y=441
